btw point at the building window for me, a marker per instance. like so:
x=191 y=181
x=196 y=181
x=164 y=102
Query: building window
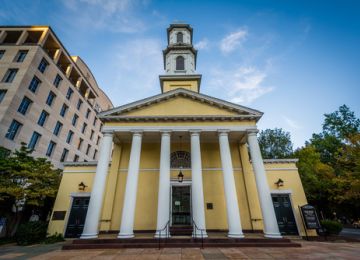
x=57 y=81
x=69 y=93
x=95 y=120
x=179 y=37
x=2 y=94
x=20 y=56
x=13 y=130
x=34 y=140
x=88 y=149
x=43 y=65
x=88 y=111
x=9 y=75
x=95 y=153
x=57 y=128
x=50 y=99
x=24 y=105
x=76 y=158
x=34 y=84
x=50 y=148
x=98 y=140
x=83 y=128
x=74 y=120
x=64 y=155
x=79 y=103
x=92 y=134
x=2 y=52
x=63 y=110
x=69 y=137
x=80 y=143
x=180 y=63
x=42 y=119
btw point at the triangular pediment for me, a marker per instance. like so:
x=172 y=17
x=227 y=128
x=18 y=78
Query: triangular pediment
x=180 y=103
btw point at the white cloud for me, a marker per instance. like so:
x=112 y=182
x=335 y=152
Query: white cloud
x=202 y=45
x=241 y=85
x=113 y=15
x=233 y=40
x=135 y=70
x=291 y=123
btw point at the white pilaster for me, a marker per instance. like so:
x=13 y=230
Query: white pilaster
x=91 y=227
x=232 y=206
x=164 y=186
x=197 y=193
x=128 y=212
x=271 y=228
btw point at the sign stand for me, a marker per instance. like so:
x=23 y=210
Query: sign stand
x=310 y=218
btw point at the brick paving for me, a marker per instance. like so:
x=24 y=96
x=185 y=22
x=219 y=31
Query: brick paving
x=309 y=250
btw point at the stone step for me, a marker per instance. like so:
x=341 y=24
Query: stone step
x=177 y=242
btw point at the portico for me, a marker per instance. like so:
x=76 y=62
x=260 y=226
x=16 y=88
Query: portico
x=164 y=135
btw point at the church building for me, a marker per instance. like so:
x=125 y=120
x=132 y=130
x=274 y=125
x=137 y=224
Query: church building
x=180 y=162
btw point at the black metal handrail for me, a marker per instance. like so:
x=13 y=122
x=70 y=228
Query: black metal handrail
x=195 y=227
x=159 y=232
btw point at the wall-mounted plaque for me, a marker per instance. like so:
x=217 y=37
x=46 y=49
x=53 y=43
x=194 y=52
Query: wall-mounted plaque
x=59 y=215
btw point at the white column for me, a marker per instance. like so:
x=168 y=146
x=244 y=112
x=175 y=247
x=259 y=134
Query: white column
x=128 y=212
x=163 y=212
x=232 y=206
x=197 y=194
x=271 y=228
x=91 y=227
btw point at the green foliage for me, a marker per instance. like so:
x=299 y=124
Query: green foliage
x=275 y=144
x=26 y=183
x=54 y=238
x=332 y=227
x=31 y=233
x=329 y=165
x=315 y=175
x=25 y=178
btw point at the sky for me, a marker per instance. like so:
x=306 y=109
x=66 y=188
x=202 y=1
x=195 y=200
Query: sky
x=293 y=60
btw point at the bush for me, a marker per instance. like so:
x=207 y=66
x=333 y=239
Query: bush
x=54 y=238
x=31 y=233
x=332 y=227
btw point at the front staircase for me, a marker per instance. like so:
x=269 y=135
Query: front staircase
x=173 y=242
x=181 y=231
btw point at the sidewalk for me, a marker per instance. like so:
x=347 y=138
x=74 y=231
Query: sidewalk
x=309 y=250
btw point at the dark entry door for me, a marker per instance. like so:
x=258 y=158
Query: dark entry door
x=181 y=214
x=284 y=214
x=77 y=216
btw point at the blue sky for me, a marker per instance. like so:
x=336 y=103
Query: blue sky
x=293 y=60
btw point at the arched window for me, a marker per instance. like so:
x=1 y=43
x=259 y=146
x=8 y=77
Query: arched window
x=180 y=63
x=180 y=159
x=179 y=37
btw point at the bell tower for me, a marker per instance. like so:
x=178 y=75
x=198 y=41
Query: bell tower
x=180 y=60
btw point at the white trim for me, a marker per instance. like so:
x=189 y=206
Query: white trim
x=80 y=194
x=280 y=169
x=185 y=93
x=290 y=193
x=183 y=128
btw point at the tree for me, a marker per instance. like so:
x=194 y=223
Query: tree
x=275 y=144
x=337 y=128
x=316 y=177
x=25 y=181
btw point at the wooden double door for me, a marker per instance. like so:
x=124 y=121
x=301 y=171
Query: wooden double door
x=284 y=214
x=77 y=217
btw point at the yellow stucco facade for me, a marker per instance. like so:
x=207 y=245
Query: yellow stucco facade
x=148 y=183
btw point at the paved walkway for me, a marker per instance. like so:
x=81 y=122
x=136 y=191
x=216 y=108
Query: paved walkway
x=309 y=250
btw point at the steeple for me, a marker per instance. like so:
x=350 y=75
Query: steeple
x=180 y=60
